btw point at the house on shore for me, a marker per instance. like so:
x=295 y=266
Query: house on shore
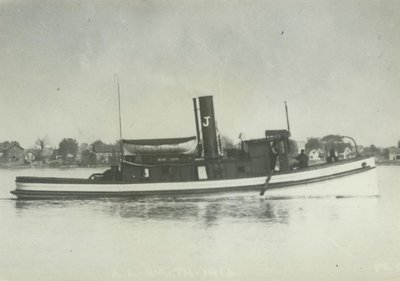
x=29 y=156
x=341 y=152
x=394 y=153
x=106 y=153
x=12 y=153
x=316 y=154
x=300 y=146
x=346 y=153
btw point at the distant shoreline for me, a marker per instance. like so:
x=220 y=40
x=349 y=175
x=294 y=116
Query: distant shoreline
x=388 y=163
x=105 y=166
x=25 y=166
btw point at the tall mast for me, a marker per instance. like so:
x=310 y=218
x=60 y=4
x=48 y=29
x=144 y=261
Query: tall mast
x=119 y=117
x=287 y=117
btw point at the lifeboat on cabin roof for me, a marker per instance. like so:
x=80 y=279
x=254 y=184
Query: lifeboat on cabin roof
x=184 y=146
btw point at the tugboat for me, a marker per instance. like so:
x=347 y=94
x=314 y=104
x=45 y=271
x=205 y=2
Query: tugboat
x=199 y=165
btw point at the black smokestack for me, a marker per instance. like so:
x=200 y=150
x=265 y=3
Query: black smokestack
x=207 y=121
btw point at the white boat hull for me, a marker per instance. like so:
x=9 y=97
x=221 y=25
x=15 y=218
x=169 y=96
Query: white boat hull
x=351 y=178
x=357 y=184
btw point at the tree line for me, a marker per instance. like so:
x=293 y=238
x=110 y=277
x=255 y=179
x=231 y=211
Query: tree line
x=70 y=151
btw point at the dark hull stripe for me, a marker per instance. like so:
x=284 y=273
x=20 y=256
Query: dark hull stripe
x=26 y=194
x=104 y=182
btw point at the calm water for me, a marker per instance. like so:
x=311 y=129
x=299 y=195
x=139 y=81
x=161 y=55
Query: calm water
x=233 y=237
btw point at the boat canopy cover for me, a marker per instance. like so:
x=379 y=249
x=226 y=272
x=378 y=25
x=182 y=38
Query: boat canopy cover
x=161 y=146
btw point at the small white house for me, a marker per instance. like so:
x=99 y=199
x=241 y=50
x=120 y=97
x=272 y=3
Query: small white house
x=316 y=154
x=301 y=145
x=346 y=154
x=394 y=153
x=29 y=157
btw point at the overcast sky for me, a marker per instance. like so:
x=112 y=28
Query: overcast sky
x=336 y=63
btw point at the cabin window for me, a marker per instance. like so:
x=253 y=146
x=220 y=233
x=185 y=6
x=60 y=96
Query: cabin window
x=202 y=172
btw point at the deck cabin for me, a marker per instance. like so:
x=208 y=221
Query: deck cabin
x=158 y=160
x=177 y=159
x=201 y=157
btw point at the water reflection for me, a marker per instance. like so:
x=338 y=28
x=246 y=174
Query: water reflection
x=207 y=210
x=21 y=205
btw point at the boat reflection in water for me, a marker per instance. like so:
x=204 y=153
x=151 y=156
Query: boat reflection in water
x=205 y=209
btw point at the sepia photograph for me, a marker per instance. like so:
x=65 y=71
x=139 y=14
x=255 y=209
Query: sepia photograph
x=199 y=140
